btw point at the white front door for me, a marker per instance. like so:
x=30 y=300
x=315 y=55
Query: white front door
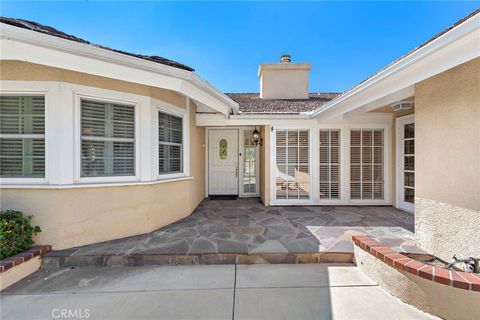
x=406 y=163
x=223 y=162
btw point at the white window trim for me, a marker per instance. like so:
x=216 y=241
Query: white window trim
x=184 y=113
x=108 y=98
x=93 y=185
x=400 y=203
x=24 y=181
x=363 y=122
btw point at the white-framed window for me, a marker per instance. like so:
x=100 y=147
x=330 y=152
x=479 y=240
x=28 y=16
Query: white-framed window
x=367 y=181
x=170 y=143
x=107 y=139
x=292 y=179
x=22 y=136
x=329 y=164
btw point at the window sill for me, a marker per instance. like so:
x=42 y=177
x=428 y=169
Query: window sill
x=92 y=185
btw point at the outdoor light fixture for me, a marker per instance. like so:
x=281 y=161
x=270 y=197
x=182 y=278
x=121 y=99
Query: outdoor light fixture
x=256 y=139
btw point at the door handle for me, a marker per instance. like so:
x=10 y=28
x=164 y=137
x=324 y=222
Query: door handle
x=236 y=170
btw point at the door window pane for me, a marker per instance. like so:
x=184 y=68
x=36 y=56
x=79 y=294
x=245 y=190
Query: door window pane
x=249 y=163
x=409 y=163
x=223 y=149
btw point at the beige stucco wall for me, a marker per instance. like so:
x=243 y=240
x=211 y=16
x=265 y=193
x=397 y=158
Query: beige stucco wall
x=19 y=272
x=25 y=71
x=447 y=162
x=284 y=80
x=435 y=298
x=265 y=165
x=72 y=217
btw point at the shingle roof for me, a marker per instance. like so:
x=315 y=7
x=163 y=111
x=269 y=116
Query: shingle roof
x=252 y=103
x=37 y=27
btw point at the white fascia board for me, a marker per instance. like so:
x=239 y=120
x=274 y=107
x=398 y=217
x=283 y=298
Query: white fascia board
x=453 y=48
x=35 y=47
x=198 y=94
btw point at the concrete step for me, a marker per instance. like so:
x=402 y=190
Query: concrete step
x=58 y=260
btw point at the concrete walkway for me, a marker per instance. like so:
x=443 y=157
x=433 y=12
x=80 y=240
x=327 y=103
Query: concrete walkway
x=312 y=291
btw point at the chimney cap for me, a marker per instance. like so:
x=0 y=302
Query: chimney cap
x=286 y=58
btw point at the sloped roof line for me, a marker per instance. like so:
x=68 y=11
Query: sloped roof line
x=37 y=27
x=414 y=50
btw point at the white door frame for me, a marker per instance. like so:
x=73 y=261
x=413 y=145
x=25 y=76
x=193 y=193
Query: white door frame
x=240 y=160
x=399 y=125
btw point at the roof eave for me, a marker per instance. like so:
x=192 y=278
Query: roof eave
x=467 y=27
x=10 y=32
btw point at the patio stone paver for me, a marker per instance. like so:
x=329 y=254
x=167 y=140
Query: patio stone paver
x=245 y=226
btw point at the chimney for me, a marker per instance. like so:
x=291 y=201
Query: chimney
x=284 y=80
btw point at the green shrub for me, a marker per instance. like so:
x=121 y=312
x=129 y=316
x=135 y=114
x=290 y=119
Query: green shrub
x=16 y=233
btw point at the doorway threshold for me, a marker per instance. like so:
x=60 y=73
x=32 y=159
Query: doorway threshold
x=223 y=197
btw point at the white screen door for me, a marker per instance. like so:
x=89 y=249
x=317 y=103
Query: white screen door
x=223 y=162
x=406 y=163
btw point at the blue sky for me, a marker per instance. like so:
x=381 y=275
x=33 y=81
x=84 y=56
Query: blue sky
x=225 y=41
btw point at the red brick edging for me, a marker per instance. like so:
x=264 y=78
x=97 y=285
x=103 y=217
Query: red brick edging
x=462 y=280
x=23 y=257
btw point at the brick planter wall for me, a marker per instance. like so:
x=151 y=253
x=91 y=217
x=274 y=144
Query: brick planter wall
x=22 y=257
x=461 y=280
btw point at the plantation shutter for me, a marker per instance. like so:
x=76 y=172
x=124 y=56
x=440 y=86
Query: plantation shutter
x=292 y=162
x=329 y=164
x=22 y=136
x=366 y=164
x=108 y=139
x=170 y=143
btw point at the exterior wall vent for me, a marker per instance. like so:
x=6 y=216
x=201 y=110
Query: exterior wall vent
x=402 y=105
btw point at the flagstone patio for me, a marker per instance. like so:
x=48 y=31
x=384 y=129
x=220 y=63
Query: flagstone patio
x=245 y=226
